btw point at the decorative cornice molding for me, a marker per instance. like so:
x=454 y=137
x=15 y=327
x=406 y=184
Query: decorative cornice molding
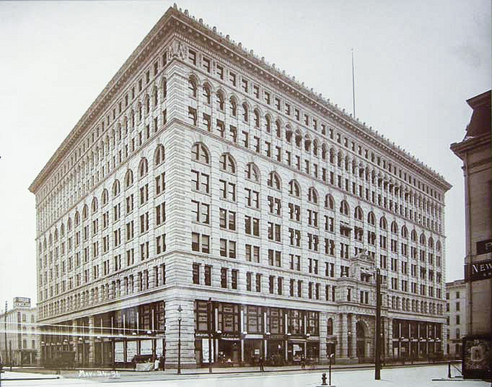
x=174 y=20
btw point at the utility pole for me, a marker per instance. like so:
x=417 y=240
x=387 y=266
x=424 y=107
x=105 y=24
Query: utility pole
x=377 y=375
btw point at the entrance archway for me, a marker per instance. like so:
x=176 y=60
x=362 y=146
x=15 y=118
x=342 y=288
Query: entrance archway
x=361 y=340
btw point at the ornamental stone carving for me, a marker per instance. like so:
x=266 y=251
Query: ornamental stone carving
x=178 y=49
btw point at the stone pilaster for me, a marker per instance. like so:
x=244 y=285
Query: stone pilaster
x=75 y=340
x=92 y=339
x=187 y=333
x=353 y=336
x=323 y=318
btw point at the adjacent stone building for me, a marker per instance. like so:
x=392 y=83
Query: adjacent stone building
x=456 y=316
x=206 y=185
x=475 y=151
x=19 y=340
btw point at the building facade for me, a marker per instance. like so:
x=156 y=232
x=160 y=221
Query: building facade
x=206 y=195
x=456 y=316
x=475 y=150
x=19 y=340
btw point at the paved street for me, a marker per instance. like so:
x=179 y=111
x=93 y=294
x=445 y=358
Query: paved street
x=401 y=377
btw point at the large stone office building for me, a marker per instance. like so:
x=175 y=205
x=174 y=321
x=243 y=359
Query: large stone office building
x=456 y=305
x=203 y=173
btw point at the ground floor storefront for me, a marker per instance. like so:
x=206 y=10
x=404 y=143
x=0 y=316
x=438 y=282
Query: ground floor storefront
x=197 y=332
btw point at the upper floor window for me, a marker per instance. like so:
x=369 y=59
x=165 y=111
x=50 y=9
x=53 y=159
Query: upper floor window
x=159 y=155
x=294 y=188
x=227 y=163
x=313 y=195
x=252 y=172
x=274 y=181
x=143 y=167
x=344 y=208
x=200 y=153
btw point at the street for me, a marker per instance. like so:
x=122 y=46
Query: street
x=401 y=377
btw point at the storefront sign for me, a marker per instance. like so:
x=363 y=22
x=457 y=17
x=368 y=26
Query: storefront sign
x=118 y=352
x=206 y=351
x=131 y=350
x=478 y=270
x=22 y=302
x=484 y=247
x=146 y=347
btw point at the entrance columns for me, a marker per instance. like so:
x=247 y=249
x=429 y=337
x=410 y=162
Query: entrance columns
x=353 y=342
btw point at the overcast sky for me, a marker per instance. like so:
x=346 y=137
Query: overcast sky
x=416 y=64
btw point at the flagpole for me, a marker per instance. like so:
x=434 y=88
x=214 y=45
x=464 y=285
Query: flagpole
x=353 y=84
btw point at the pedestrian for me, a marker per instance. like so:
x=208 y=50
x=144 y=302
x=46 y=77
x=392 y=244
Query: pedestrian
x=261 y=364
x=303 y=362
x=161 y=362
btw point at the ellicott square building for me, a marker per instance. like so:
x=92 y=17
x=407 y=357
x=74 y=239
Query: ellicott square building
x=207 y=186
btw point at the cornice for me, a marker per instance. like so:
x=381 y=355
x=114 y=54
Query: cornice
x=470 y=144
x=236 y=52
x=175 y=19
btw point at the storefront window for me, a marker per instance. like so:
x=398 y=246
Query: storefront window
x=228 y=318
x=313 y=323
x=295 y=322
x=275 y=321
x=254 y=319
x=201 y=319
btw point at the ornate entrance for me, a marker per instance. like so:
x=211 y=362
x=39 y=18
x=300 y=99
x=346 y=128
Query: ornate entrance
x=361 y=340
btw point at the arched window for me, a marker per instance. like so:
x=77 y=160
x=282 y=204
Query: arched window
x=220 y=100
x=116 y=188
x=129 y=178
x=315 y=147
x=159 y=155
x=431 y=243
x=104 y=197
x=56 y=235
x=245 y=112
x=252 y=172
x=404 y=231
x=278 y=129
x=274 y=180
x=394 y=227
x=94 y=205
x=268 y=123
x=207 y=94
x=143 y=167
x=288 y=134
x=344 y=208
x=422 y=239
x=371 y=219
x=256 y=114
x=313 y=195
x=358 y=214
x=227 y=163
x=62 y=230
x=294 y=188
x=192 y=87
x=69 y=224
x=233 y=106
x=383 y=224
x=85 y=212
x=298 y=139
x=414 y=236
x=329 y=327
x=200 y=153
x=438 y=246
x=329 y=202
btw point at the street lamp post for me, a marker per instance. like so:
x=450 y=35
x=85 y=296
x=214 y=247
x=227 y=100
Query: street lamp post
x=209 y=329
x=179 y=338
x=377 y=373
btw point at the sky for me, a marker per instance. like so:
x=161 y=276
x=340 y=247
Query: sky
x=416 y=64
